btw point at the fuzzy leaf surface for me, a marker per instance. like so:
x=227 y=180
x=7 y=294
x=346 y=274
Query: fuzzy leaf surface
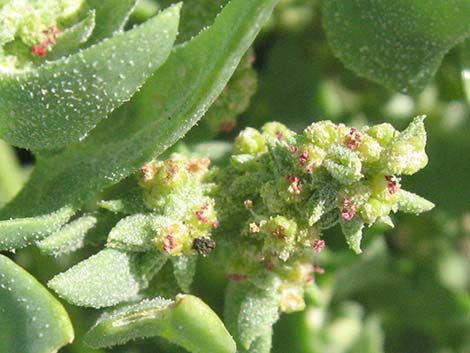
x=69 y=238
x=20 y=232
x=104 y=279
x=168 y=105
x=106 y=25
x=61 y=101
x=70 y=40
x=31 y=319
x=397 y=43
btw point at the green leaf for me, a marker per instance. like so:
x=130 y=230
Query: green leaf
x=20 y=232
x=133 y=233
x=352 y=230
x=31 y=319
x=465 y=58
x=412 y=203
x=107 y=24
x=187 y=322
x=104 y=279
x=400 y=43
x=184 y=269
x=250 y=311
x=63 y=100
x=70 y=40
x=180 y=93
x=69 y=238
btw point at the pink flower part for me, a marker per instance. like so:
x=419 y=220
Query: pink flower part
x=294 y=182
x=279 y=135
x=318 y=269
x=293 y=149
x=303 y=157
x=215 y=224
x=392 y=184
x=40 y=50
x=237 y=277
x=349 y=210
x=200 y=214
x=169 y=243
x=318 y=245
x=353 y=139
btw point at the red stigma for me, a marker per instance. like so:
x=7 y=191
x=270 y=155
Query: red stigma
x=349 y=210
x=353 y=139
x=318 y=245
x=169 y=243
x=280 y=135
x=40 y=50
x=392 y=184
x=293 y=149
x=294 y=182
x=303 y=157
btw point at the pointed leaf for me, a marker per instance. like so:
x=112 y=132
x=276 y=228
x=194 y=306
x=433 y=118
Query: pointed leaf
x=412 y=203
x=400 y=43
x=106 y=25
x=184 y=269
x=63 y=100
x=105 y=279
x=133 y=233
x=202 y=66
x=69 y=238
x=187 y=322
x=31 y=319
x=352 y=230
x=20 y=232
x=70 y=40
x=250 y=312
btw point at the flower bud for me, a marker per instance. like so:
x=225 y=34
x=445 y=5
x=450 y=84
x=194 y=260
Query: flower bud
x=343 y=164
x=405 y=154
x=250 y=141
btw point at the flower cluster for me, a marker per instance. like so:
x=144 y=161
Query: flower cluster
x=29 y=28
x=282 y=190
x=176 y=191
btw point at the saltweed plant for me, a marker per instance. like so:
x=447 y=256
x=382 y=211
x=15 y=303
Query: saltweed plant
x=207 y=175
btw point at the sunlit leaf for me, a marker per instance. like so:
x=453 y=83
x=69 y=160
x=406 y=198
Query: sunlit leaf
x=187 y=322
x=399 y=43
x=62 y=101
x=31 y=319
